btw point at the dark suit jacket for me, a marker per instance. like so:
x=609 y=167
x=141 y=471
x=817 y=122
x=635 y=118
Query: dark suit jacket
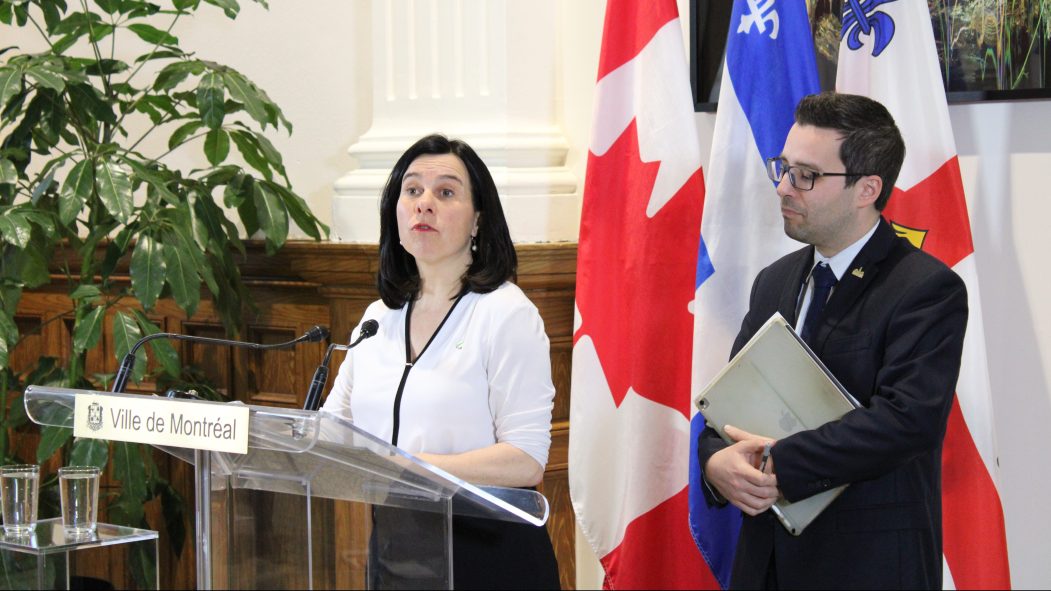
x=893 y=336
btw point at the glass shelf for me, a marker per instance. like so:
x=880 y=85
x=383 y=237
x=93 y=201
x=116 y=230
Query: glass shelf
x=41 y=559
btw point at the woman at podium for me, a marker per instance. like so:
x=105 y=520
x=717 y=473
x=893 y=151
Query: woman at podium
x=459 y=371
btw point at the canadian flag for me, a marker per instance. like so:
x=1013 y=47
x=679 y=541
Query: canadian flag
x=639 y=233
x=887 y=52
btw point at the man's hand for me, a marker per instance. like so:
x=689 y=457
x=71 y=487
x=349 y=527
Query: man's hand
x=735 y=474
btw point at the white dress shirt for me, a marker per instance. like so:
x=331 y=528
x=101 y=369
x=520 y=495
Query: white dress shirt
x=485 y=378
x=839 y=264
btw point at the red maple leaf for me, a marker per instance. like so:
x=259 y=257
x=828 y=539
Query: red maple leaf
x=635 y=275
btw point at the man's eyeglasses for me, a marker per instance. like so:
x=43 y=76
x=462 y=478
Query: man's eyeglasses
x=800 y=178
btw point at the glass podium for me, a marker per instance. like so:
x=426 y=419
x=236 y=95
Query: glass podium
x=299 y=510
x=45 y=558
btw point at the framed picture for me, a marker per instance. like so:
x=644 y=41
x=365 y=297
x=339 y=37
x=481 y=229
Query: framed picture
x=988 y=49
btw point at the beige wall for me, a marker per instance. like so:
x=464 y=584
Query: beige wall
x=314 y=58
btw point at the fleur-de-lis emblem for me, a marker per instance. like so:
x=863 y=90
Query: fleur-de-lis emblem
x=762 y=12
x=860 y=17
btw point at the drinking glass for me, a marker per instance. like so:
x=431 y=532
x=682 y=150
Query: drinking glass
x=79 y=489
x=20 y=490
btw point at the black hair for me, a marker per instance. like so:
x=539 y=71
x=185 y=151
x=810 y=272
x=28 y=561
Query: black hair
x=872 y=143
x=494 y=261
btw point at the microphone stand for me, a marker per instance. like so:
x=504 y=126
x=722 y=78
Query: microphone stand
x=120 y=381
x=317 y=383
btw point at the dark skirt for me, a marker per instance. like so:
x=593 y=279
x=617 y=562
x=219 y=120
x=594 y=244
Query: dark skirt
x=487 y=554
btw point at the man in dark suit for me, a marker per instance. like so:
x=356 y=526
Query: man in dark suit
x=891 y=331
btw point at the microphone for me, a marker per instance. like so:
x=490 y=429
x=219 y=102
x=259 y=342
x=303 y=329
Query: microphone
x=315 y=334
x=317 y=383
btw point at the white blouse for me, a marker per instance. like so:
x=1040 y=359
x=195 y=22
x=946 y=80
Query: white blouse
x=485 y=378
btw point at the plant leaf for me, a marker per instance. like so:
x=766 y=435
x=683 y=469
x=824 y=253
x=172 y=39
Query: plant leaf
x=247 y=94
x=268 y=151
x=16 y=414
x=126 y=510
x=230 y=7
x=46 y=78
x=147 y=271
x=125 y=334
x=210 y=100
x=43 y=186
x=128 y=468
x=163 y=351
x=157 y=179
x=217 y=146
x=100 y=31
x=114 y=186
x=10 y=85
x=185 y=4
x=271 y=215
x=249 y=149
x=109 y=6
x=172 y=504
x=184 y=131
x=75 y=191
x=153 y=35
x=30 y=265
x=104 y=67
x=88 y=330
x=42 y=219
x=89 y=452
x=67 y=41
x=87 y=103
x=85 y=292
x=3 y=356
x=51 y=439
x=183 y=278
x=182 y=239
x=8 y=329
x=15 y=229
x=172 y=74
x=8 y=172
x=52 y=12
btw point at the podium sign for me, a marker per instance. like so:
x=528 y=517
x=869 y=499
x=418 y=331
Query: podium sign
x=161 y=421
x=305 y=507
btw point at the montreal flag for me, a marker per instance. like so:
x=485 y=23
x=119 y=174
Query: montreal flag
x=887 y=52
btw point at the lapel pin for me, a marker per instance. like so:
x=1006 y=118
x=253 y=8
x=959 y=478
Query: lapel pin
x=859 y=273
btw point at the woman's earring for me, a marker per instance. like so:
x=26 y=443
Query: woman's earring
x=474 y=244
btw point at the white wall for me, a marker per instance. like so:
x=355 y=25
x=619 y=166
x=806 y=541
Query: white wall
x=313 y=59
x=1005 y=156
x=314 y=63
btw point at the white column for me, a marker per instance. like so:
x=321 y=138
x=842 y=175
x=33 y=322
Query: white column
x=484 y=71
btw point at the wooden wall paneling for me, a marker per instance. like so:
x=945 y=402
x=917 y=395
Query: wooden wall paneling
x=267 y=378
x=561 y=525
x=353 y=527
x=215 y=361
x=305 y=284
x=224 y=572
x=181 y=567
x=24 y=441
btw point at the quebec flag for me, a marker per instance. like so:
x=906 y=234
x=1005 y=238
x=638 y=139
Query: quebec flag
x=769 y=67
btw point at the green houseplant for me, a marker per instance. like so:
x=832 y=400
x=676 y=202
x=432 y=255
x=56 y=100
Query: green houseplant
x=76 y=181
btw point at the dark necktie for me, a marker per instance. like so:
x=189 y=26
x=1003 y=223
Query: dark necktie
x=824 y=279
